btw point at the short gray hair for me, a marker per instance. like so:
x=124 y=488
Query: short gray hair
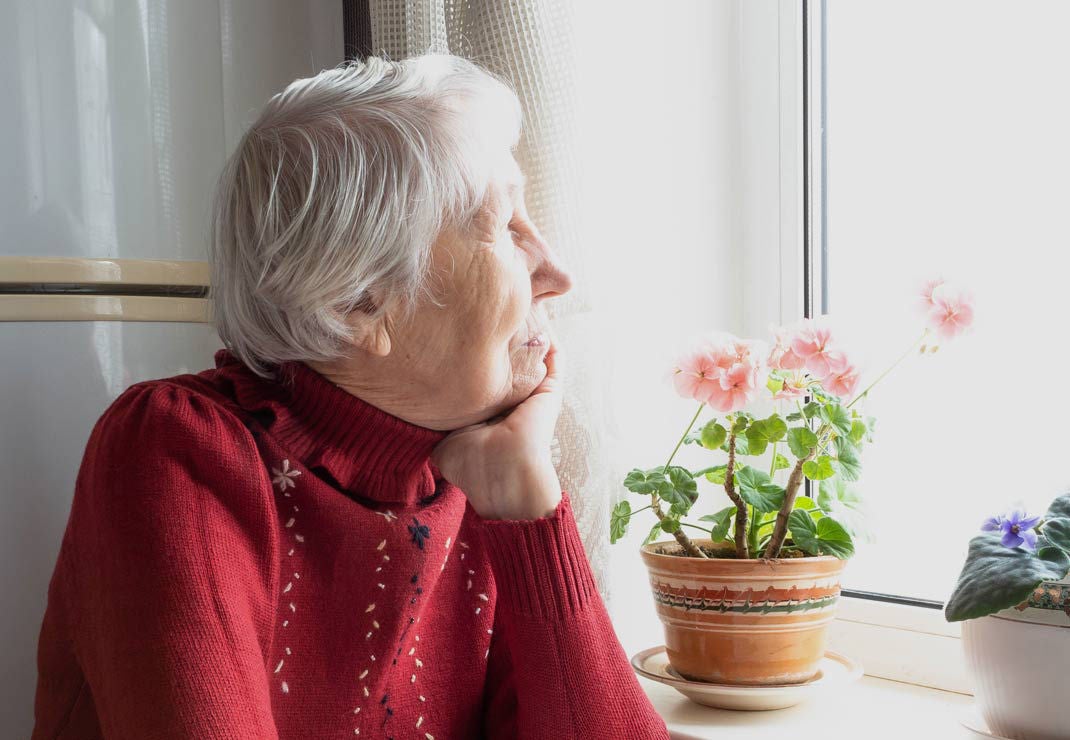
x=343 y=183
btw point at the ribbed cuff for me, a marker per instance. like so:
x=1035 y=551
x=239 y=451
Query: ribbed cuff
x=540 y=566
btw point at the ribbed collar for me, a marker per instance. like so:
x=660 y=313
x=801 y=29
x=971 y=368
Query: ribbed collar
x=367 y=451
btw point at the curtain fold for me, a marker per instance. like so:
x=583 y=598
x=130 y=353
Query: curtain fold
x=530 y=43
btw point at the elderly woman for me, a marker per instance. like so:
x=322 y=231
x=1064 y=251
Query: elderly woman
x=351 y=525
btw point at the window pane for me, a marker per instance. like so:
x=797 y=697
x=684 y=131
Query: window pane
x=948 y=155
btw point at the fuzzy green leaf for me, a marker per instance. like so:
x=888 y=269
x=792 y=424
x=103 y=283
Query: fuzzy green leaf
x=781 y=462
x=1060 y=507
x=837 y=417
x=722 y=523
x=716 y=475
x=1057 y=532
x=995 y=577
x=801 y=441
x=618 y=520
x=826 y=536
x=713 y=435
x=819 y=469
x=848 y=464
x=644 y=481
x=653 y=535
x=758 y=489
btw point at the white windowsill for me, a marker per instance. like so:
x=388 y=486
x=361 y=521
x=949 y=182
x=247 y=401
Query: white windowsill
x=870 y=708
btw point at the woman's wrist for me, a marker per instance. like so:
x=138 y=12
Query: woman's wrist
x=524 y=492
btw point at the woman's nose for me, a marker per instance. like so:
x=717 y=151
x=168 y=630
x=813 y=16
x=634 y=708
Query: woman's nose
x=551 y=277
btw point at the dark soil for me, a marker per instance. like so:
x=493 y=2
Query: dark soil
x=723 y=553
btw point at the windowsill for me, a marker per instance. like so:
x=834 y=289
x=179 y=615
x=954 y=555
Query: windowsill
x=854 y=710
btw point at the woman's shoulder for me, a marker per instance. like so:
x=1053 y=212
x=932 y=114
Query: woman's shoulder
x=180 y=418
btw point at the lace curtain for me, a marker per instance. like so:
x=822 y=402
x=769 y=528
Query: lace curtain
x=529 y=43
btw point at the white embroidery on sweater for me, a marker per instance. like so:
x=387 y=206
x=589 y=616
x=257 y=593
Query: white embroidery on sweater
x=284 y=478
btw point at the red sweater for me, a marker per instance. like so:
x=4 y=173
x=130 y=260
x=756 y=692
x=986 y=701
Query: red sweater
x=256 y=559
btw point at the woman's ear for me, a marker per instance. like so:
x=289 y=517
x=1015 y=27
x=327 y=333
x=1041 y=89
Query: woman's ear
x=371 y=326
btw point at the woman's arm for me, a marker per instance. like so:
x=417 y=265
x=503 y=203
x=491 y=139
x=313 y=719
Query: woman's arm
x=556 y=667
x=172 y=546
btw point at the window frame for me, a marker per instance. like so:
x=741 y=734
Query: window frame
x=783 y=126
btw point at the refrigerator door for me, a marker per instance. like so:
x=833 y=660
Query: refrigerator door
x=118 y=116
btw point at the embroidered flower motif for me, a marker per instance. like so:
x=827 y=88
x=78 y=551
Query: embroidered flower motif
x=284 y=478
x=420 y=532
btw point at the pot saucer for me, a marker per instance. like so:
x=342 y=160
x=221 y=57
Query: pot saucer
x=974 y=722
x=834 y=670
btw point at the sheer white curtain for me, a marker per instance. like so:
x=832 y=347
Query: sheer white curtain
x=530 y=43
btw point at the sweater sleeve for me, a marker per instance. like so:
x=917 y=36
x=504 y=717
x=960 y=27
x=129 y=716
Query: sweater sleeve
x=556 y=667
x=171 y=536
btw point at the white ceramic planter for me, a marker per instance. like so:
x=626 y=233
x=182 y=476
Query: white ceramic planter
x=1018 y=659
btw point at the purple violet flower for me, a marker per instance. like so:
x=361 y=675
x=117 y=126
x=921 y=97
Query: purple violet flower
x=1017 y=528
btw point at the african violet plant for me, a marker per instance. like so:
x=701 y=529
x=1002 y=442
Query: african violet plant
x=1014 y=554
x=813 y=387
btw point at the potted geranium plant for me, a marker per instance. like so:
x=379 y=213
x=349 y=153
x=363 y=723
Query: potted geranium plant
x=749 y=602
x=1013 y=597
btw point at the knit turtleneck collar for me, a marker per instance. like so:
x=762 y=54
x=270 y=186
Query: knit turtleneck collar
x=368 y=451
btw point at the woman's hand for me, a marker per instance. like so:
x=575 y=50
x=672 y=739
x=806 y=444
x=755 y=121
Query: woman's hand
x=503 y=465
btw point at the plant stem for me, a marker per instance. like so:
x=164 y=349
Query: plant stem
x=741 y=505
x=883 y=375
x=686 y=432
x=689 y=547
x=695 y=526
x=772 y=465
x=633 y=513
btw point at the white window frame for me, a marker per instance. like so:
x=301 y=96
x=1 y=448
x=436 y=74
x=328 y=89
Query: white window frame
x=896 y=641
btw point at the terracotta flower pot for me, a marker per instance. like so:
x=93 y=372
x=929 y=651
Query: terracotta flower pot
x=1017 y=659
x=745 y=622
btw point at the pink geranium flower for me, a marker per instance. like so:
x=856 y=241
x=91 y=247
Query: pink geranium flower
x=842 y=383
x=813 y=343
x=782 y=357
x=927 y=292
x=697 y=373
x=736 y=388
x=951 y=312
x=794 y=387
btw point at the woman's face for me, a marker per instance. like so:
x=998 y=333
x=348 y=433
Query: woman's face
x=470 y=358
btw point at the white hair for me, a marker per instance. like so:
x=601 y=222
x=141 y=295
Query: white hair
x=342 y=185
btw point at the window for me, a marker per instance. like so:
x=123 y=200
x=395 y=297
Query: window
x=938 y=147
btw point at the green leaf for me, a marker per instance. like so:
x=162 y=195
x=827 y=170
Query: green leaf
x=801 y=441
x=774 y=384
x=811 y=409
x=758 y=489
x=654 y=532
x=1060 y=507
x=842 y=502
x=740 y=424
x=681 y=490
x=618 y=520
x=742 y=447
x=809 y=505
x=837 y=417
x=722 y=521
x=794 y=416
x=670 y=524
x=826 y=536
x=756 y=445
x=781 y=462
x=717 y=475
x=819 y=469
x=713 y=435
x=1057 y=532
x=995 y=577
x=644 y=481
x=858 y=431
x=848 y=464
